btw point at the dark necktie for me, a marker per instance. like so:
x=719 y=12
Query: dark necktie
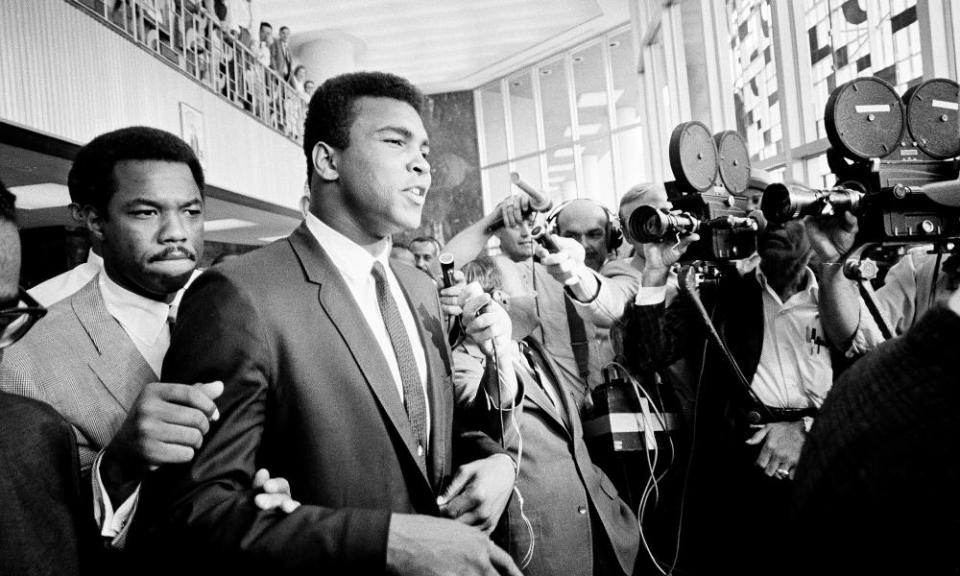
x=414 y=401
x=541 y=378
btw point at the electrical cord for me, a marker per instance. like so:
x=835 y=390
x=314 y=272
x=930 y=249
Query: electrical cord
x=652 y=485
x=501 y=387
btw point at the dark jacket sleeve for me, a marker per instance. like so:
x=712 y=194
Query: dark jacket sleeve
x=205 y=509
x=658 y=335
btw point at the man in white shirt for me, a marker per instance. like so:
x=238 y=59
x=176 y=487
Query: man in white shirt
x=750 y=429
x=97 y=355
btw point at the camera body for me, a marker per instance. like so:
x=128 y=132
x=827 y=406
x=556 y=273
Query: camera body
x=718 y=212
x=896 y=163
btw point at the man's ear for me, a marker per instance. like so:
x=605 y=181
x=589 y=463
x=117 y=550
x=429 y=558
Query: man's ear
x=93 y=220
x=325 y=161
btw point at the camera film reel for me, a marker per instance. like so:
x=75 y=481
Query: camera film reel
x=734 y=162
x=932 y=108
x=865 y=119
x=693 y=157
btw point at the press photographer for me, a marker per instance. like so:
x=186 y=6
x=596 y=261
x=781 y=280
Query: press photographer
x=897 y=185
x=757 y=394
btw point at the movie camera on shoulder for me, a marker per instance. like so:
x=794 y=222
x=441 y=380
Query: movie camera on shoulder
x=717 y=211
x=895 y=160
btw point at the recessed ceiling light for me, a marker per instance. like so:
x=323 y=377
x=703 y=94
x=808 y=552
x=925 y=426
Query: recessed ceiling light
x=515 y=84
x=596 y=99
x=226 y=224
x=578 y=59
x=546 y=71
x=40 y=196
x=614 y=43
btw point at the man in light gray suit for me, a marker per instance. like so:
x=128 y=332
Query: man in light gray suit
x=96 y=356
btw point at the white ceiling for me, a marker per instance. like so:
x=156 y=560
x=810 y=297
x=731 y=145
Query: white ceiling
x=443 y=46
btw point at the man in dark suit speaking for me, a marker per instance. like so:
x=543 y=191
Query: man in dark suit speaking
x=336 y=376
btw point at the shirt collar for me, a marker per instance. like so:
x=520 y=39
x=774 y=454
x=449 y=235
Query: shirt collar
x=352 y=260
x=95 y=259
x=812 y=289
x=140 y=316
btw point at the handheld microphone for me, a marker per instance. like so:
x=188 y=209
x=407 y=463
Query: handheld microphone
x=545 y=239
x=538 y=202
x=446 y=269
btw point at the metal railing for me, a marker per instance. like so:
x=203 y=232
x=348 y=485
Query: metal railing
x=186 y=35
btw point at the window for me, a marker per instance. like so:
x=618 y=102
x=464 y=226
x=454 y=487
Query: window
x=756 y=89
x=847 y=39
x=563 y=116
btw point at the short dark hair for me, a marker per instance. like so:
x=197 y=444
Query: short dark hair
x=8 y=201
x=332 y=107
x=266 y=25
x=91 y=180
x=282 y=28
x=422 y=239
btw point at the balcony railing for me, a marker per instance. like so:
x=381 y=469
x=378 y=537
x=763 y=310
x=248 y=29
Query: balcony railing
x=186 y=35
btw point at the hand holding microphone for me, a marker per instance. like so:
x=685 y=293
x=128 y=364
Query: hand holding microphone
x=488 y=325
x=563 y=257
x=517 y=208
x=453 y=284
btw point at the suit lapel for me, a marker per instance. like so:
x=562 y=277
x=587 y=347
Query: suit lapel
x=338 y=303
x=118 y=363
x=439 y=388
x=537 y=395
x=743 y=328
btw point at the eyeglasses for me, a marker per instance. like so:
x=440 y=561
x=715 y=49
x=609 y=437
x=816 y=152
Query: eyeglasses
x=16 y=322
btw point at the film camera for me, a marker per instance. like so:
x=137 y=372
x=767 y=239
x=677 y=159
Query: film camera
x=718 y=212
x=895 y=161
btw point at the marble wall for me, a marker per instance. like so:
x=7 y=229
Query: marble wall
x=455 y=200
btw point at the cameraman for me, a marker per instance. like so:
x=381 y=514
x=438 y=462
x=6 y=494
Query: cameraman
x=912 y=286
x=748 y=434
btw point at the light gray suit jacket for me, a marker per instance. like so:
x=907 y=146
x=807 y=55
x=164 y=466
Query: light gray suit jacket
x=79 y=360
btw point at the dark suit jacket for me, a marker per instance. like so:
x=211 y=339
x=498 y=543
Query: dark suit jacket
x=309 y=396
x=281 y=60
x=578 y=520
x=45 y=523
x=876 y=486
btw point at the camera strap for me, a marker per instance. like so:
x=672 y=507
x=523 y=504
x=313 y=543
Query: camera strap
x=578 y=341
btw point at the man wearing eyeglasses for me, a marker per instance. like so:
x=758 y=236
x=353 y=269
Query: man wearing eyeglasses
x=41 y=523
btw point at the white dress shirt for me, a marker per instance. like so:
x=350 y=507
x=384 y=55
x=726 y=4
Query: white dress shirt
x=145 y=321
x=795 y=369
x=355 y=264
